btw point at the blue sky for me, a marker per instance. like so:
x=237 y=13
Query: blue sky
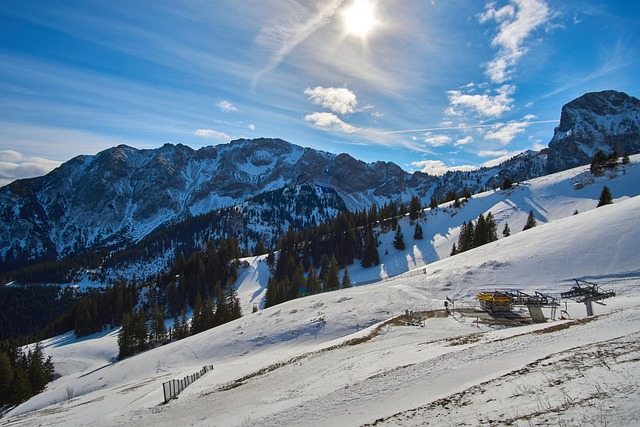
x=430 y=85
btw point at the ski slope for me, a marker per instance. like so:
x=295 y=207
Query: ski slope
x=333 y=359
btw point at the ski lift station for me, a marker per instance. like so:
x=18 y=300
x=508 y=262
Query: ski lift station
x=504 y=301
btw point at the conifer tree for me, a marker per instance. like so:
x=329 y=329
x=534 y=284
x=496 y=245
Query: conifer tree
x=506 y=231
x=140 y=330
x=20 y=386
x=454 y=249
x=481 y=235
x=398 y=239
x=606 y=198
x=313 y=284
x=418 y=233
x=492 y=228
x=126 y=346
x=332 y=280
x=531 y=221
x=433 y=203
x=415 y=208
x=158 y=328
x=6 y=377
x=181 y=325
x=466 y=237
x=39 y=371
x=346 y=280
x=370 y=257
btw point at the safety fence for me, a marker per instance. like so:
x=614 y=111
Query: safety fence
x=173 y=388
x=410 y=273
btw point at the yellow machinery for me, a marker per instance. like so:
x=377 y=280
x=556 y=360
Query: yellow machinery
x=495 y=301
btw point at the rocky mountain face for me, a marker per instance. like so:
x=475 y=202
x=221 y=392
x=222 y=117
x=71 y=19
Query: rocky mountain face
x=119 y=196
x=607 y=121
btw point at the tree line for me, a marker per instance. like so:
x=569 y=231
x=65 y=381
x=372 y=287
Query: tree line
x=309 y=260
x=23 y=375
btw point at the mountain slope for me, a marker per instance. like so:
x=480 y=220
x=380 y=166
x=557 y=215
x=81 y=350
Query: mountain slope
x=286 y=363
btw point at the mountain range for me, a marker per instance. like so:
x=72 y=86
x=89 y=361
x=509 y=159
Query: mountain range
x=122 y=196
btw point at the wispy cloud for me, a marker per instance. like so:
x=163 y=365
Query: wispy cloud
x=282 y=39
x=516 y=23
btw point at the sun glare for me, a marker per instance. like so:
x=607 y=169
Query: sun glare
x=360 y=18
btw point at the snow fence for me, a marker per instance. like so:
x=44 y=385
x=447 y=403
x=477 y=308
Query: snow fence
x=173 y=388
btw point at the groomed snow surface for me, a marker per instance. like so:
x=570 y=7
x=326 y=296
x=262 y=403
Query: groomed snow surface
x=336 y=359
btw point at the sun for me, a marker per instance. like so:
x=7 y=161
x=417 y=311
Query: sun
x=360 y=18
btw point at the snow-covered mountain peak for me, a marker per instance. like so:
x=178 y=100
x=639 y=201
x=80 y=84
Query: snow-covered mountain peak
x=608 y=121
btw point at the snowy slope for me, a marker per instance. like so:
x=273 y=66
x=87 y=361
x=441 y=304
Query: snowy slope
x=286 y=365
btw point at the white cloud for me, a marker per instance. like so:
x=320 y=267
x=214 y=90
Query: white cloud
x=516 y=22
x=252 y=126
x=463 y=141
x=507 y=132
x=226 y=106
x=437 y=167
x=437 y=140
x=339 y=100
x=330 y=121
x=485 y=105
x=14 y=165
x=211 y=134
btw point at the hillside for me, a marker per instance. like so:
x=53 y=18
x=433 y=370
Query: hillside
x=331 y=359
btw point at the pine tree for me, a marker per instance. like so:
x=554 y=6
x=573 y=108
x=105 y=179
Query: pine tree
x=332 y=280
x=454 y=249
x=6 y=377
x=20 y=386
x=466 y=237
x=398 y=240
x=313 y=284
x=259 y=249
x=158 y=327
x=415 y=208
x=126 y=345
x=418 y=233
x=606 y=198
x=506 y=231
x=39 y=371
x=481 y=236
x=492 y=228
x=506 y=184
x=433 y=203
x=197 y=320
x=370 y=257
x=346 y=280
x=181 y=325
x=531 y=221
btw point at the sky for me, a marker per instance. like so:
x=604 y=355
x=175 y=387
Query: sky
x=431 y=85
